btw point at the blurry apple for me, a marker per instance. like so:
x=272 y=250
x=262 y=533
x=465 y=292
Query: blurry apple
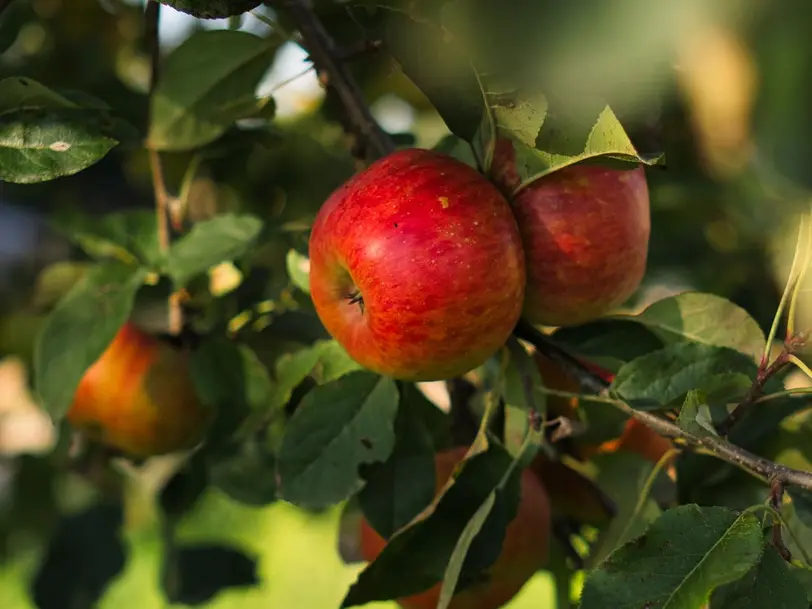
x=524 y=548
x=138 y=397
x=585 y=230
x=417 y=267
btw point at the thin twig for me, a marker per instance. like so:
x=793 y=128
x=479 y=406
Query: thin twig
x=589 y=382
x=370 y=140
x=776 y=499
x=152 y=15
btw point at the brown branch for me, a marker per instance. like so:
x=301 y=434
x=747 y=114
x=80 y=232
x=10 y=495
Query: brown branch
x=760 y=467
x=754 y=393
x=152 y=16
x=370 y=140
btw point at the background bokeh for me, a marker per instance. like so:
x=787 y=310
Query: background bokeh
x=725 y=88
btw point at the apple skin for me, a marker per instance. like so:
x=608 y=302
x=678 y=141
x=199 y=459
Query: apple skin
x=585 y=230
x=433 y=250
x=138 y=397
x=524 y=550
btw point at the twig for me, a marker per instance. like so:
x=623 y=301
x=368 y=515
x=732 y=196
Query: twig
x=370 y=140
x=776 y=499
x=760 y=467
x=152 y=15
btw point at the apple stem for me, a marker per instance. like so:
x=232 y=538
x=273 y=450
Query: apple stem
x=357 y=298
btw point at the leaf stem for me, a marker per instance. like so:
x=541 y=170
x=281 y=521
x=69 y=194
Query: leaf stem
x=806 y=222
x=152 y=16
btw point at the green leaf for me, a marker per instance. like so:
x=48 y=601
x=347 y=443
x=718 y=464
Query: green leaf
x=536 y=138
x=458 y=148
x=617 y=339
x=803 y=575
x=223 y=238
x=20 y=92
x=336 y=428
x=398 y=489
x=769 y=584
x=663 y=377
x=130 y=236
x=704 y=318
x=695 y=415
x=523 y=380
x=682 y=557
x=79 y=329
x=245 y=471
x=334 y=362
x=298 y=266
x=41 y=144
x=416 y=557
x=207 y=83
x=290 y=370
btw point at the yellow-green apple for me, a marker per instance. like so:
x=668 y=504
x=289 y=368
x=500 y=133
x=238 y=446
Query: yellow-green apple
x=524 y=549
x=139 y=398
x=417 y=267
x=585 y=230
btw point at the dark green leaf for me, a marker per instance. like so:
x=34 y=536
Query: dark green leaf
x=41 y=144
x=245 y=471
x=223 y=238
x=683 y=556
x=20 y=92
x=130 y=236
x=523 y=381
x=291 y=370
x=458 y=148
x=663 y=377
x=194 y=574
x=336 y=428
x=416 y=558
x=695 y=415
x=184 y=489
x=803 y=575
x=398 y=489
x=334 y=361
x=704 y=318
x=617 y=339
x=769 y=584
x=80 y=328
x=206 y=84
x=84 y=554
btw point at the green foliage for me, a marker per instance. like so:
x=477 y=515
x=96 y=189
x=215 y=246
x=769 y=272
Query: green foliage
x=301 y=432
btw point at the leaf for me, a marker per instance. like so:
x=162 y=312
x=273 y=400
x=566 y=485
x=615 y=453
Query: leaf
x=207 y=83
x=523 y=381
x=683 y=556
x=20 y=92
x=695 y=416
x=436 y=64
x=183 y=490
x=223 y=238
x=130 y=236
x=537 y=137
x=84 y=554
x=458 y=148
x=298 y=266
x=615 y=338
x=291 y=370
x=80 y=328
x=769 y=584
x=194 y=574
x=398 y=489
x=41 y=144
x=416 y=558
x=334 y=362
x=665 y=376
x=802 y=501
x=245 y=471
x=704 y=318
x=337 y=427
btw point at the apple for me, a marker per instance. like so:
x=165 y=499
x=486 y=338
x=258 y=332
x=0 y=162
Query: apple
x=585 y=230
x=417 y=267
x=524 y=549
x=138 y=397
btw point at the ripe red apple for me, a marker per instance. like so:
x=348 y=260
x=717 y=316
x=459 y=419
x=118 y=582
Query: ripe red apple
x=524 y=549
x=417 y=267
x=585 y=230
x=138 y=397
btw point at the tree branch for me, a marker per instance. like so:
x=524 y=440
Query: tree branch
x=370 y=140
x=760 y=467
x=152 y=16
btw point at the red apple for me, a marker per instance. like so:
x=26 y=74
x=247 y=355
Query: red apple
x=139 y=397
x=585 y=230
x=417 y=267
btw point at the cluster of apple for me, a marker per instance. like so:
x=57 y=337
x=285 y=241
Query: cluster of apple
x=421 y=267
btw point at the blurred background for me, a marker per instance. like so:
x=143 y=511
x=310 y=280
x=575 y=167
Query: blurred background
x=724 y=88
